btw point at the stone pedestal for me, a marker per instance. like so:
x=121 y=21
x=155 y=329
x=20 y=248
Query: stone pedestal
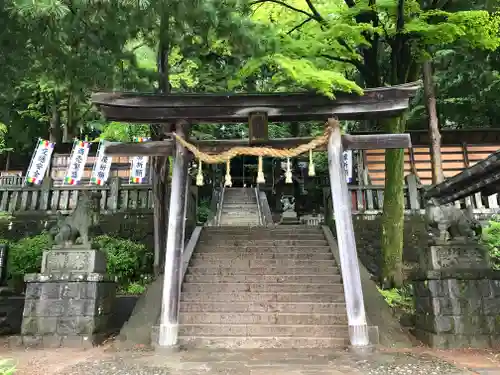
x=69 y=302
x=289 y=217
x=457 y=297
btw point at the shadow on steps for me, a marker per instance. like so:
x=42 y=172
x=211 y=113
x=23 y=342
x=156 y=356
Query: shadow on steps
x=137 y=330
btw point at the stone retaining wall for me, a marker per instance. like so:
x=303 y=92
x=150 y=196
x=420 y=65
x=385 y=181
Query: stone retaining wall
x=11 y=313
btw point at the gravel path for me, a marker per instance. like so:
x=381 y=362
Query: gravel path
x=258 y=362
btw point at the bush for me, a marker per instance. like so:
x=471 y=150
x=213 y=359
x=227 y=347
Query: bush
x=128 y=261
x=7 y=367
x=399 y=298
x=491 y=238
x=25 y=255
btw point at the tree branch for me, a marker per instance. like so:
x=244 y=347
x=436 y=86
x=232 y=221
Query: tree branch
x=299 y=25
x=282 y=3
x=357 y=64
x=311 y=6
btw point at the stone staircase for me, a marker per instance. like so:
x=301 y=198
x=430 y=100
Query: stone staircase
x=263 y=288
x=239 y=208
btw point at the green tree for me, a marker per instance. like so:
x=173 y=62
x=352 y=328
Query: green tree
x=385 y=42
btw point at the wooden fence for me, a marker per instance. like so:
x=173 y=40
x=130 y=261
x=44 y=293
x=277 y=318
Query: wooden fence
x=138 y=198
x=369 y=200
x=49 y=199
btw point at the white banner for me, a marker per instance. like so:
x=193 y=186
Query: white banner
x=348 y=165
x=138 y=166
x=76 y=165
x=102 y=166
x=40 y=162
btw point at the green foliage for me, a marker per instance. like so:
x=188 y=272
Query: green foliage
x=399 y=298
x=491 y=238
x=128 y=261
x=25 y=255
x=121 y=132
x=134 y=289
x=7 y=367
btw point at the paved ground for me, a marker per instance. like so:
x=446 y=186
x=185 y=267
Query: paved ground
x=104 y=361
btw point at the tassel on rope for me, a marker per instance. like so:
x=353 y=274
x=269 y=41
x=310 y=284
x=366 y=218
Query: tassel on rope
x=199 y=176
x=288 y=173
x=260 y=173
x=312 y=170
x=227 y=179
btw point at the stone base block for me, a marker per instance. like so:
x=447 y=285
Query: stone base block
x=373 y=335
x=457 y=308
x=78 y=258
x=64 y=307
x=57 y=341
x=456 y=341
x=468 y=255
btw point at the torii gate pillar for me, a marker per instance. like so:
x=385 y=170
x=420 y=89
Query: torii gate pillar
x=172 y=278
x=356 y=317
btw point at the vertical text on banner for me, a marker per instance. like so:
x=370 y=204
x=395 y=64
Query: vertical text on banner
x=348 y=165
x=102 y=165
x=77 y=161
x=138 y=166
x=40 y=162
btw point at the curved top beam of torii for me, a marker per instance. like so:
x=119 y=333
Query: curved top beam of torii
x=381 y=102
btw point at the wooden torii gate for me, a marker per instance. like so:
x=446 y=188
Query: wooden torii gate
x=257 y=109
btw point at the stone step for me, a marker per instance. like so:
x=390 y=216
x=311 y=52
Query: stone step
x=239 y=216
x=307 y=279
x=247 y=211
x=250 y=330
x=239 y=201
x=262 y=236
x=262 y=288
x=261 y=318
x=236 y=231
x=278 y=271
x=251 y=209
x=263 y=255
x=246 y=243
x=241 y=223
x=240 y=205
x=257 y=263
x=229 y=342
x=281 y=307
x=254 y=223
x=239 y=198
x=237 y=219
x=261 y=249
x=289 y=297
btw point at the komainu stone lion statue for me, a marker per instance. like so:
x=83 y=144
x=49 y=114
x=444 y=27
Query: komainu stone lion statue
x=75 y=227
x=447 y=222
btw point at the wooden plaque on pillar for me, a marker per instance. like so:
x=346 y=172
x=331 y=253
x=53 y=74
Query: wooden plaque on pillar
x=257 y=127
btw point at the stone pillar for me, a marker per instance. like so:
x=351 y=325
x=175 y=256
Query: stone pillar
x=457 y=296
x=70 y=301
x=358 y=328
x=169 y=318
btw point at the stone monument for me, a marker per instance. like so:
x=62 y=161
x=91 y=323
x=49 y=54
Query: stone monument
x=68 y=303
x=289 y=215
x=457 y=294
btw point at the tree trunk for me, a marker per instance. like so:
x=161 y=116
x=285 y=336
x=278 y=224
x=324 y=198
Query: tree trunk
x=161 y=201
x=68 y=129
x=55 y=122
x=434 y=133
x=393 y=210
x=161 y=163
